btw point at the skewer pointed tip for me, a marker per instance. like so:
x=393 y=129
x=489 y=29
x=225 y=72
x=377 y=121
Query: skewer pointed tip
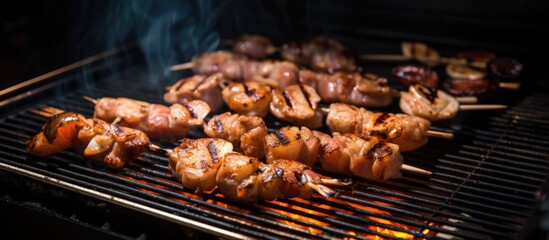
x=158 y=149
x=325 y=110
x=181 y=66
x=416 y=170
x=93 y=100
x=323 y=190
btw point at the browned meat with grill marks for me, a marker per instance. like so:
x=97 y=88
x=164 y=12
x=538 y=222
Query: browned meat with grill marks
x=421 y=52
x=297 y=104
x=476 y=57
x=293 y=143
x=368 y=90
x=430 y=104
x=254 y=46
x=157 y=121
x=197 y=87
x=195 y=162
x=321 y=54
x=224 y=62
x=245 y=179
x=248 y=98
x=466 y=87
x=278 y=74
x=411 y=74
x=246 y=133
x=202 y=164
x=408 y=132
x=360 y=155
x=108 y=144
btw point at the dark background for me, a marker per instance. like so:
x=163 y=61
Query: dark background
x=37 y=37
x=33 y=39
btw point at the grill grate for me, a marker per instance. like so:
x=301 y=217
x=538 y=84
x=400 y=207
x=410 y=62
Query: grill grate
x=484 y=182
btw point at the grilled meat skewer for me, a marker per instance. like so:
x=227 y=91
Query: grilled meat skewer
x=306 y=146
x=297 y=104
x=366 y=90
x=408 y=132
x=246 y=133
x=254 y=46
x=200 y=164
x=248 y=98
x=157 y=121
x=350 y=154
x=289 y=99
x=98 y=141
x=319 y=53
x=197 y=87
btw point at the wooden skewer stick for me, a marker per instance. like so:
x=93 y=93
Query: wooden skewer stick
x=385 y=57
x=482 y=107
x=439 y=134
x=94 y=101
x=402 y=58
x=182 y=66
x=467 y=100
x=462 y=100
x=46 y=111
x=40 y=112
x=510 y=85
x=421 y=171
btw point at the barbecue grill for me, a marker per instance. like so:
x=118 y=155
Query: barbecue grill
x=487 y=183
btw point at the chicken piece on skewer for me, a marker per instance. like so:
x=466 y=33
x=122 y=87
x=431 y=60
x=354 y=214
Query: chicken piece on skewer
x=254 y=46
x=411 y=74
x=195 y=162
x=245 y=179
x=430 y=104
x=435 y=105
x=351 y=154
x=365 y=90
x=464 y=72
x=197 y=87
x=360 y=155
x=250 y=98
x=108 y=144
x=202 y=164
x=278 y=74
x=408 y=132
x=246 y=133
x=224 y=62
x=157 y=121
x=421 y=52
x=476 y=58
x=293 y=143
x=297 y=104
x=321 y=54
